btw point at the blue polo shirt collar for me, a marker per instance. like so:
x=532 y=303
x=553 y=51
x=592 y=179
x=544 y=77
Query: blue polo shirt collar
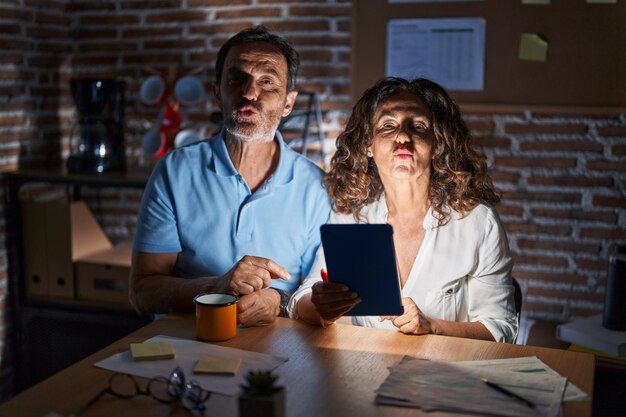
x=223 y=166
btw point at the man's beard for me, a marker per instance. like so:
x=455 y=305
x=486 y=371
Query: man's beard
x=246 y=131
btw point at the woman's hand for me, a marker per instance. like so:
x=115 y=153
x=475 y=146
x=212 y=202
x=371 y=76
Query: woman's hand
x=413 y=321
x=333 y=300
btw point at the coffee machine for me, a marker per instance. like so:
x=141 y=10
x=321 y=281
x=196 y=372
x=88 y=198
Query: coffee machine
x=97 y=143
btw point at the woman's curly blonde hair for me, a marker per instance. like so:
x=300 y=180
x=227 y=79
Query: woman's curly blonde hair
x=459 y=180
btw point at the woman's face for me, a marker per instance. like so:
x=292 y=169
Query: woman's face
x=403 y=138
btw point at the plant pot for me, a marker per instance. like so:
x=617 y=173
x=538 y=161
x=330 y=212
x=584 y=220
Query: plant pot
x=263 y=406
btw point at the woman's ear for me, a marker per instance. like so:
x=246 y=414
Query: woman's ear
x=369 y=152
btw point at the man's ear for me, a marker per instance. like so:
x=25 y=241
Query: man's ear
x=289 y=102
x=217 y=100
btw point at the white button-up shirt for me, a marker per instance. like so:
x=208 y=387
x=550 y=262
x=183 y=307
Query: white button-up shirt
x=461 y=273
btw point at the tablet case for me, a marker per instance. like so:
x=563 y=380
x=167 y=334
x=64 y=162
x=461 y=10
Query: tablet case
x=362 y=257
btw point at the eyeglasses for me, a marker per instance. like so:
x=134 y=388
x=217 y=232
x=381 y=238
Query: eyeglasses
x=172 y=390
x=189 y=393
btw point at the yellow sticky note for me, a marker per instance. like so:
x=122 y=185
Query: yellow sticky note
x=214 y=365
x=151 y=351
x=535 y=1
x=532 y=47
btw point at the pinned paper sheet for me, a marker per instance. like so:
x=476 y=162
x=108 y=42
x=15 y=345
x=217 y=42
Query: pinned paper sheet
x=151 y=351
x=533 y=48
x=535 y=1
x=216 y=365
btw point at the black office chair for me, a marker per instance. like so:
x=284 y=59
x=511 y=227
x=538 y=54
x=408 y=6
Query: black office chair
x=517 y=296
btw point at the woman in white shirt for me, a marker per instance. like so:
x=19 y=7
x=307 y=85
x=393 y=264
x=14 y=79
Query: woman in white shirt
x=406 y=159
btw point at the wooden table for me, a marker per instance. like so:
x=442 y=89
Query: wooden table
x=330 y=372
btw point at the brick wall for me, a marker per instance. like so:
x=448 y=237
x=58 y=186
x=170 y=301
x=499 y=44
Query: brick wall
x=563 y=172
x=28 y=113
x=564 y=182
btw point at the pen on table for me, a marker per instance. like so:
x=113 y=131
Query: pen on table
x=507 y=392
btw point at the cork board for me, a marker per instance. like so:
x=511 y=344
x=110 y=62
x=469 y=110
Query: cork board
x=585 y=66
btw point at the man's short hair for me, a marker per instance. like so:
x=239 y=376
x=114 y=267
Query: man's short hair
x=261 y=34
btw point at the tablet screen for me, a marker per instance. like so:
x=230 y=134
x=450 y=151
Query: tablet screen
x=362 y=257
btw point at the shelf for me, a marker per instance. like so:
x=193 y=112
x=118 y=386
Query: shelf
x=303 y=129
x=49 y=334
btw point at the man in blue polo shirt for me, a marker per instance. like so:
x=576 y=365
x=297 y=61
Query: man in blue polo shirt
x=239 y=212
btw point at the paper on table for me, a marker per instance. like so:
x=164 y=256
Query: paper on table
x=456 y=386
x=528 y=365
x=187 y=354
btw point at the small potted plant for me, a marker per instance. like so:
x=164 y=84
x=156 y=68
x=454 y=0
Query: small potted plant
x=261 y=397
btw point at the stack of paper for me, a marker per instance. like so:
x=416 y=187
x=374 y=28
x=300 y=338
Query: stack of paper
x=604 y=357
x=589 y=332
x=457 y=387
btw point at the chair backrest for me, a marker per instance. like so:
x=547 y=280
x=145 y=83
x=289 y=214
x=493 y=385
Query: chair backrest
x=517 y=296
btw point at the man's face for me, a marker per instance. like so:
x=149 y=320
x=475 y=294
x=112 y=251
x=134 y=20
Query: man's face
x=253 y=91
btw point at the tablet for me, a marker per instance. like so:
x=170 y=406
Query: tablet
x=362 y=257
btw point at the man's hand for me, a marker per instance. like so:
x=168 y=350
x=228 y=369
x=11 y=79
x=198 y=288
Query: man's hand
x=252 y=273
x=258 y=308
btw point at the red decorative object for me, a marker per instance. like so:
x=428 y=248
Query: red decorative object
x=170 y=125
x=170 y=91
